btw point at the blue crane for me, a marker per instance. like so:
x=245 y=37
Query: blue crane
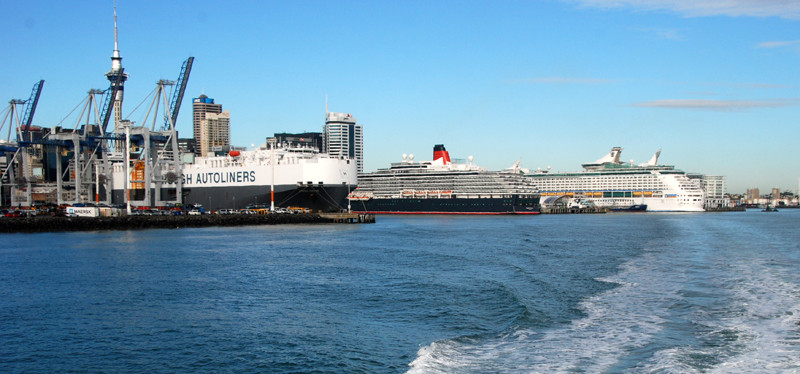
x=30 y=109
x=180 y=89
x=108 y=106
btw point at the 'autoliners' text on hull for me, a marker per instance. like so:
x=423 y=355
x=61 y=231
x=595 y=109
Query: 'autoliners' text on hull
x=299 y=177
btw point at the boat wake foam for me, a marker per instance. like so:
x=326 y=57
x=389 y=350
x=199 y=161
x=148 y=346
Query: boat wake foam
x=669 y=313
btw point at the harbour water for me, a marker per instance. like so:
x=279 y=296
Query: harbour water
x=630 y=293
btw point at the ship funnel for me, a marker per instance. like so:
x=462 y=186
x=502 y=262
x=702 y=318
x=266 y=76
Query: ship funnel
x=654 y=160
x=440 y=152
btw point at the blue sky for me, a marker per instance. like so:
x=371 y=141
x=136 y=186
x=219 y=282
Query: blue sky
x=715 y=84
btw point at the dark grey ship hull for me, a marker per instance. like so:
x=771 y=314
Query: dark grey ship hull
x=489 y=206
x=315 y=197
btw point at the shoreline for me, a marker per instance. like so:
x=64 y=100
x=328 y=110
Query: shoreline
x=57 y=224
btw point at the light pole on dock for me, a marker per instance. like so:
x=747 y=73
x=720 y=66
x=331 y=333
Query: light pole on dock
x=271 y=142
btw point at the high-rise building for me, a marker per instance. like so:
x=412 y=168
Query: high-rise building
x=342 y=137
x=215 y=131
x=753 y=194
x=211 y=125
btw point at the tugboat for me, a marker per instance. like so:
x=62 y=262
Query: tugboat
x=632 y=208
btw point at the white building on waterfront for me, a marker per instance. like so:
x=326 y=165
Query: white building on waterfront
x=716 y=188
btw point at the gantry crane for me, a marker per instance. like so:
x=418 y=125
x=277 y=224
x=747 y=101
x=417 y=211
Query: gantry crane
x=156 y=179
x=94 y=151
x=30 y=109
x=180 y=89
x=16 y=156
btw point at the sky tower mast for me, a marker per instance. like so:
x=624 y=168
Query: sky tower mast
x=116 y=76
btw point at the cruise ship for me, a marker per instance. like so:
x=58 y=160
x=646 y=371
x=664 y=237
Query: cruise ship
x=443 y=186
x=299 y=176
x=615 y=185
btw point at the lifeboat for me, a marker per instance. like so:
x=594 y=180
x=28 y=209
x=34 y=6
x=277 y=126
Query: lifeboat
x=360 y=195
x=235 y=153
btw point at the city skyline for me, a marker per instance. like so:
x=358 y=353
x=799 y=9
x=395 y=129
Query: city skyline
x=553 y=83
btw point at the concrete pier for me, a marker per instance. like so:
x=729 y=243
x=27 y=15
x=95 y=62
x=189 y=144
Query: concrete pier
x=349 y=217
x=51 y=223
x=564 y=210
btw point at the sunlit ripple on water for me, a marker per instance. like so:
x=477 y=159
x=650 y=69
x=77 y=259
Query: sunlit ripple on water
x=614 y=292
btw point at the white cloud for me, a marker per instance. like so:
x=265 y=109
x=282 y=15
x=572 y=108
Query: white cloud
x=662 y=33
x=767 y=86
x=566 y=80
x=789 y=9
x=717 y=105
x=779 y=44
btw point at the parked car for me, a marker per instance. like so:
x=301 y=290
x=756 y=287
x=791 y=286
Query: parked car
x=13 y=214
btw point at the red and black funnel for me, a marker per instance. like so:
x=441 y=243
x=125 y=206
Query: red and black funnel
x=440 y=152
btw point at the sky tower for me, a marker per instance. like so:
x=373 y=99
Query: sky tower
x=116 y=76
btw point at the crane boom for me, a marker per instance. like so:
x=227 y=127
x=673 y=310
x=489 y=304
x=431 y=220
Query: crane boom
x=30 y=109
x=109 y=104
x=177 y=96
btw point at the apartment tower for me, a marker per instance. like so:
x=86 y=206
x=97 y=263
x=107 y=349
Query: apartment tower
x=212 y=125
x=342 y=137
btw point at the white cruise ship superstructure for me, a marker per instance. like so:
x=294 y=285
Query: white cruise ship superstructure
x=613 y=184
x=442 y=186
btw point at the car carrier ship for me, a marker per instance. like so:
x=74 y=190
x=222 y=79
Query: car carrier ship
x=289 y=175
x=442 y=186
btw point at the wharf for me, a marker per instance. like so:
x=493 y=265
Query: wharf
x=349 y=217
x=740 y=208
x=52 y=223
x=572 y=210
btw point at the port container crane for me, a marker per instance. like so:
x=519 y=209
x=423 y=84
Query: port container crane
x=180 y=89
x=108 y=106
x=24 y=141
x=30 y=109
